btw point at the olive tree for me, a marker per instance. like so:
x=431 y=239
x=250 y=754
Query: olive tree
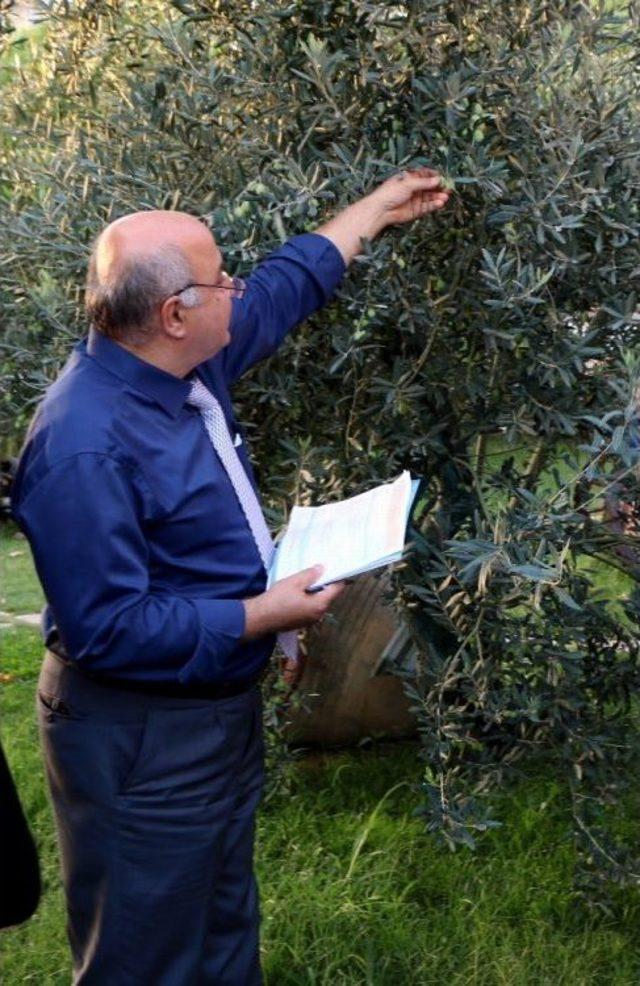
x=490 y=350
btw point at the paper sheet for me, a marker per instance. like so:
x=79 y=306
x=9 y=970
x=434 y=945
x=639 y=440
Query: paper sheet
x=348 y=537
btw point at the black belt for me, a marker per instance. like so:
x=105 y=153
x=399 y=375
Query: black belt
x=170 y=689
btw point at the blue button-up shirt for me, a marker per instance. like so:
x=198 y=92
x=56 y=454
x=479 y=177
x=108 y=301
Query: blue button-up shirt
x=137 y=534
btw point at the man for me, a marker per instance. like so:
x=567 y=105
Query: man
x=137 y=495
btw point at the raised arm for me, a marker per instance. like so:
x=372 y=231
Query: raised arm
x=302 y=276
x=401 y=199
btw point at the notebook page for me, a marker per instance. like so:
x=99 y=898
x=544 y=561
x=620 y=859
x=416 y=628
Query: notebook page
x=348 y=536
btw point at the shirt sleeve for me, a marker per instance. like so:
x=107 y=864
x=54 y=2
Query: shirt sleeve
x=84 y=521
x=281 y=292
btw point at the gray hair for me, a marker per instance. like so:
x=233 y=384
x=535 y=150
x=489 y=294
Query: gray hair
x=122 y=305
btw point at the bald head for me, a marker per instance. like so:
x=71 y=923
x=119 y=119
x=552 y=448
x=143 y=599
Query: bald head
x=141 y=234
x=137 y=262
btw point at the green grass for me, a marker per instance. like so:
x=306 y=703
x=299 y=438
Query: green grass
x=20 y=590
x=353 y=890
x=404 y=910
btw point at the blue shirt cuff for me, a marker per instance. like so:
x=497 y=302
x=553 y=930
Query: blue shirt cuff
x=222 y=624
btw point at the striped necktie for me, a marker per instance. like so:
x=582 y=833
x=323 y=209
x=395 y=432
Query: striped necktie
x=218 y=431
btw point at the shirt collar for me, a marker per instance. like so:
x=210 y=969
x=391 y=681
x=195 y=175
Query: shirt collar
x=167 y=390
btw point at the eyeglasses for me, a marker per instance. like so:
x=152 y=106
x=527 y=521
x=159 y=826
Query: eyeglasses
x=237 y=285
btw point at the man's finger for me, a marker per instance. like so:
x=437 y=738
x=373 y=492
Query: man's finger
x=436 y=203
x=419 y=182
x=334 y=589
x=424 y=172
x=308 y=576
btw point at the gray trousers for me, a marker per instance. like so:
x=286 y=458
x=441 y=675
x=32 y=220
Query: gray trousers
x=154 y=800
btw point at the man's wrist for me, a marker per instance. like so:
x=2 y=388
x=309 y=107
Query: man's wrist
x=256 y=618
x=369 y=214
x=362 y=220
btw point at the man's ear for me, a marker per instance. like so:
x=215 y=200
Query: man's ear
x=172 y=317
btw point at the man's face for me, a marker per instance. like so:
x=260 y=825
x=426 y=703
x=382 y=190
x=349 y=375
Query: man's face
x=207 y=322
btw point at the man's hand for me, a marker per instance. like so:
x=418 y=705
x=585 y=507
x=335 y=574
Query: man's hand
x=288 y=606
x=409 y=195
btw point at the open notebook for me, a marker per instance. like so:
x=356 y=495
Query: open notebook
x=350 y=537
